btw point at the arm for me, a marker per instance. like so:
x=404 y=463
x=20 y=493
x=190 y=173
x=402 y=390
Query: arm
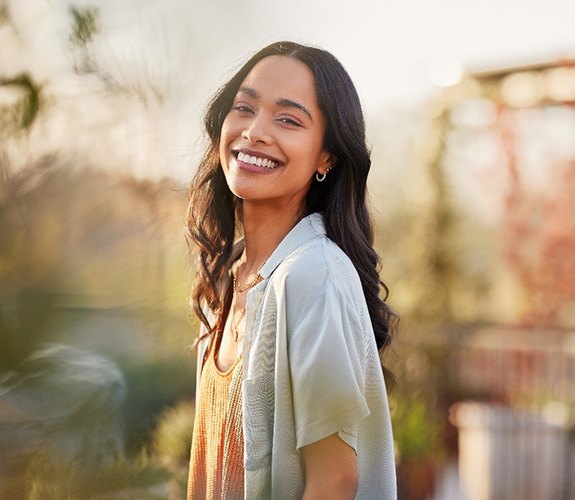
x=331 y=469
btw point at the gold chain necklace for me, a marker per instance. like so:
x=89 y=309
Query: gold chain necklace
x=236 y=325
x=236 y=290
x=250 y=284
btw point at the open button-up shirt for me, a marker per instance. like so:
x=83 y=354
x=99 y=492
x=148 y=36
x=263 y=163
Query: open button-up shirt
x=311 y=369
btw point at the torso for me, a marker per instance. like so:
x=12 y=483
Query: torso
x=216 y=470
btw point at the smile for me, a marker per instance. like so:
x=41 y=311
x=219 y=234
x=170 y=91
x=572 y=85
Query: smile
x=257 y=160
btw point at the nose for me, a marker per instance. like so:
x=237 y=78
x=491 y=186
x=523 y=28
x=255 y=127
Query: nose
x=257 y=131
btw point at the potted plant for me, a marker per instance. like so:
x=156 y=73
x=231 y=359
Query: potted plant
x=417 y=432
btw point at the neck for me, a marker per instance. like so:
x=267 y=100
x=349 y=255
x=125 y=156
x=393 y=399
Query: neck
x=264 y=228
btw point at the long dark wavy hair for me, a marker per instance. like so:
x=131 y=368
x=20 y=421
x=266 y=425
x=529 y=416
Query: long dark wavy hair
x=214 y=211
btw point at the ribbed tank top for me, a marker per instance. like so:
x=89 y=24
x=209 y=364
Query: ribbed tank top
x=217 y=455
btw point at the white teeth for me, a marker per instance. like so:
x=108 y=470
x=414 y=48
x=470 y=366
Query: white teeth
x=255 y=160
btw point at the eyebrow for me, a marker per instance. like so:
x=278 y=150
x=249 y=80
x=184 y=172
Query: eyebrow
x=286 y=103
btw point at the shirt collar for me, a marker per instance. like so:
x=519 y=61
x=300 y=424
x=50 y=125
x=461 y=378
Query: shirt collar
x=305 y=230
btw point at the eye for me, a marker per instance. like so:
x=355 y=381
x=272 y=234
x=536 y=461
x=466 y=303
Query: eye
x=242 y=108
x=289 y=121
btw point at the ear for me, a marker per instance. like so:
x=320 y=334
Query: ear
x=326 y=162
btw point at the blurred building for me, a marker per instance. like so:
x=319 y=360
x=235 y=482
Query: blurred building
x=503 y=166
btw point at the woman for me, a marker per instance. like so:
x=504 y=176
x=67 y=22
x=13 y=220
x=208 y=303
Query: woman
x=291 y=399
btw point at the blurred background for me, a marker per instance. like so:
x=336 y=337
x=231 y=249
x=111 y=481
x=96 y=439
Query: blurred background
x=470 y=113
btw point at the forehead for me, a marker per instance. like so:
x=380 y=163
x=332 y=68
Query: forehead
x=277 y=77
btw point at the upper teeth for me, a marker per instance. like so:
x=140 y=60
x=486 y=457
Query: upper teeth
x=255 y=160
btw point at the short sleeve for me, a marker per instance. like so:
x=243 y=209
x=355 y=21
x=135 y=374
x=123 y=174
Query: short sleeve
x=327 y=372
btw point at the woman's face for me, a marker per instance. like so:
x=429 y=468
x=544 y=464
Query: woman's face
x=271 y=141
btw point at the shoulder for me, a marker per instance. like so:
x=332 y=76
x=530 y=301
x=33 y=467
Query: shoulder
x=313 y=268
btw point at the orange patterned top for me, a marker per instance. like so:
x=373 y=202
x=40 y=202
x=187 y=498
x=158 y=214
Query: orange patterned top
x=217 y=456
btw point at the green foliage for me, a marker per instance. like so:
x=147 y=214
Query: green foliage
x=153 y=386
x=84 y=25
x=3 y=14
x=170 y=444
x=172 y=437
x=416 y=429
x=44 y=478
x=21 y=115
x=419 y=413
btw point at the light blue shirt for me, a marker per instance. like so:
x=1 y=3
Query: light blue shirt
x=311 y=369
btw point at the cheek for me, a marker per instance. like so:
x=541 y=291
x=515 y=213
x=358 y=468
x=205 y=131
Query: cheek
x=222 y=152
x=224 y=143
x=312 y=156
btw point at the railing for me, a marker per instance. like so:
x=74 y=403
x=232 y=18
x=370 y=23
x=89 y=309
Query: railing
x=515 y=432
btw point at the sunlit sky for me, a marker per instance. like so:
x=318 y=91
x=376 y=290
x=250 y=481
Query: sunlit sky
x=390 y=47
x=393 y=49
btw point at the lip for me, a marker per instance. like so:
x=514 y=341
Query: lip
x=251 y=168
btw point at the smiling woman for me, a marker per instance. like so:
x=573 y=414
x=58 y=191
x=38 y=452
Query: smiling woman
x=274 y=118
x=291 y=398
